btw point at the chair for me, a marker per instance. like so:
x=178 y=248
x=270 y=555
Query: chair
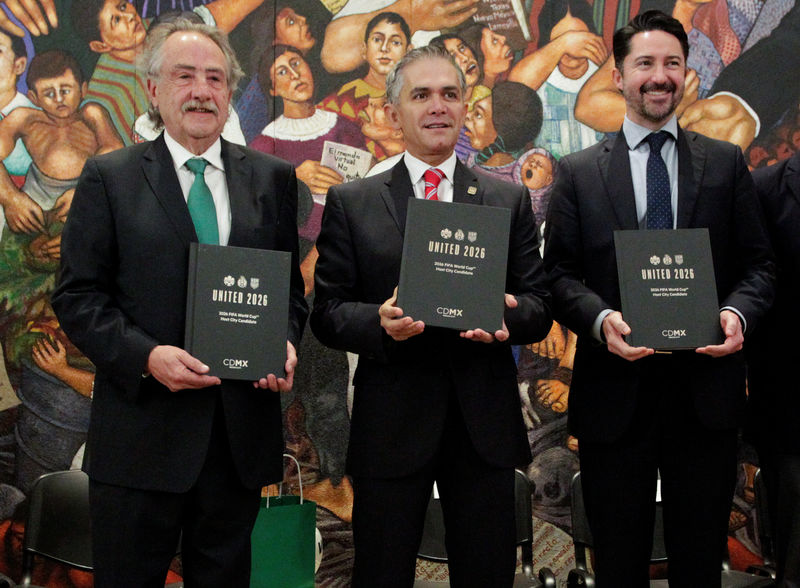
x=432 y=546
x=58 y=525
x=580 y=576
x=764 y=532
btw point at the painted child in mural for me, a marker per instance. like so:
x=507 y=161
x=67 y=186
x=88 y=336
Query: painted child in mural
x=52 y=379
x=386 y=40
x=13 y=61
x=114 y=29
x=316 y=418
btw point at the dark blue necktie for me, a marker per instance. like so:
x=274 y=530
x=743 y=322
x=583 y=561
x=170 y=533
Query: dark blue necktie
x=659 y=201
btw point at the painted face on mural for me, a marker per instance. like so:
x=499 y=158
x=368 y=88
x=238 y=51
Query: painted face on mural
x=497 y=55
x=292 y=78
x=384 y=47
x=652 y=78
x=537 y=171
x=570 y=66
x=378 y=127
x=60 y=96
x=191 y=91
x=465 y=59
x=11 y=67
x=480 y=128
x=121 y=27
x=430 y=110
x=292 y=29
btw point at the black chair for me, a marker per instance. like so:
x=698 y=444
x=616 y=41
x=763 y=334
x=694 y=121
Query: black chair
x=58 y=525
x=432 y=546
x=581 y=577
x=764 y=532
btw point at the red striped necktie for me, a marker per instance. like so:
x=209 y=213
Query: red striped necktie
x=432 y=178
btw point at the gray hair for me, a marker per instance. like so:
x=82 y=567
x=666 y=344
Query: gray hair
x=150 y=60
x=394 y=81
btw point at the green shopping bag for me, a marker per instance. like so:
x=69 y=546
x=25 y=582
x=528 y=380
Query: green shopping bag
x=283 y=541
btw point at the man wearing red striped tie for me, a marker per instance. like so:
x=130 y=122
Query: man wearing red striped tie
x=430 y=404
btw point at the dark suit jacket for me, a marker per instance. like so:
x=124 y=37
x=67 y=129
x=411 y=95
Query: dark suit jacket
x=593 y=197
x=122 y=291
x=774 y=400
x=401 y=388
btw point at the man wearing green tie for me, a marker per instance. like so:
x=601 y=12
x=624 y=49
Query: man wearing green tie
x=173 y=451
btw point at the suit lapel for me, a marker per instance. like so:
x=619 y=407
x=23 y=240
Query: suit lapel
x=466 y=188
x=615 y=169
x=691 y=166
x=396 y=193
x=239 y=177
x=160 y=173
x=791 y=177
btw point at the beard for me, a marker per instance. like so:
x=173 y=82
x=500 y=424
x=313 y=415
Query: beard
x=656 y=113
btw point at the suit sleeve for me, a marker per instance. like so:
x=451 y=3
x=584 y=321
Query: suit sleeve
x=84 y=299
x=574 y=304
x=526 y=279
x=339 y=319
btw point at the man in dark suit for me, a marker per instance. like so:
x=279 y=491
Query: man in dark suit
x=774 y=399
x=172 y=449
x=430 y=403
x=636 y=413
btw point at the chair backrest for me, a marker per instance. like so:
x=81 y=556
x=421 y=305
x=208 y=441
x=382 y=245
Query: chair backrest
x=58 y=524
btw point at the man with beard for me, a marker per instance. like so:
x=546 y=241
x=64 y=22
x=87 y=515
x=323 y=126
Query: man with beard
x=636 y=413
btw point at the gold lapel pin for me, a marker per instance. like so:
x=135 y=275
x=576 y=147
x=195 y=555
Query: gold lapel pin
x=472 y=190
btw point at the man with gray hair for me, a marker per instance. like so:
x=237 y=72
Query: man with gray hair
x=430 y=404
x=173 y=451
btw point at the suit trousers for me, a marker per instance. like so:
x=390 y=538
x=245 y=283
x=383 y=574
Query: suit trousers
x=698 y=475
x=781 y=474
x=135 y=533
x=478 y=505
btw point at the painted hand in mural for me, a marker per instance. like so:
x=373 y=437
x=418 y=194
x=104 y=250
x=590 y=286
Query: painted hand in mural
x=276 y=384
x=33 y=14
x=553 y=394
x=499 y=335
x=23 y=215
x=734 y=337
x=178 y=370
x=61 y=207
x=397 y=326
x=721 y=117
x=553 y=345
x=317 y=177
x=614 y=330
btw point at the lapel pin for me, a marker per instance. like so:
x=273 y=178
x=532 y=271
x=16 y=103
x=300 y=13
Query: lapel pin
x=472 y=190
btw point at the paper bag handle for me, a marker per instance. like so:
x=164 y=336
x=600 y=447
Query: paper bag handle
x=299 y=478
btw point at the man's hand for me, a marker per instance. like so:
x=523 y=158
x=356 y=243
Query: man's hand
x=178 y=370
x=31 y=13
x=432 y=15
x=23 y=215
x=499 y=335
x=276 y=384
x=734 y=338
x=397 y=326
x=317 y=177
x=721 y=117
x=614 y=329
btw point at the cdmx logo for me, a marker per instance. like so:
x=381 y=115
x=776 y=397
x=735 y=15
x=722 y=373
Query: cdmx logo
x=450 y=312
x=673 y=333
x=235 y=364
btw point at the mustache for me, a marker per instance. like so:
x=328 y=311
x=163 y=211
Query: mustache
x=665 y=87
x=200 y=105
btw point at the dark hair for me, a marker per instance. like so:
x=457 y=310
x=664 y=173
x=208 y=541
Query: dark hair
x=472 y=36
x=478 y=55
x=652 y=20
x=85 y=15
x=52 y=64
x=555 y=10
x=18 y=47
x=517 y=114
x=391 y=18
x=269 y=57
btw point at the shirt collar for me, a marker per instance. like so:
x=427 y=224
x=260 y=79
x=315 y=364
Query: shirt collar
x=180 y=155
x=417 y=167
x=635 y=133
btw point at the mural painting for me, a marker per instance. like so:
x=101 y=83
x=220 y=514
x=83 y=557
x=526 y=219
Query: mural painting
x=539 y=87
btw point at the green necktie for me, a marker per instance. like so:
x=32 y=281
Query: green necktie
x=201 y=204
